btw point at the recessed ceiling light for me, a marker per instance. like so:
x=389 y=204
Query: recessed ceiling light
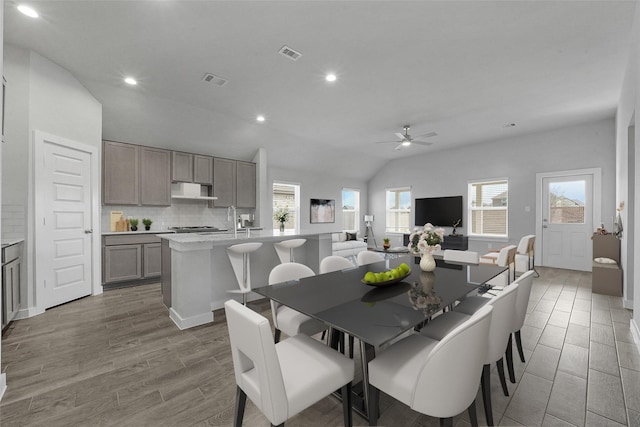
x=130 y=80
x=331 y=77
x=260 y=118
x=28 y=11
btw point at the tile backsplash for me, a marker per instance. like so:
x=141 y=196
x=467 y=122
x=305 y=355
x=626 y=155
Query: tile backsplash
x=181 y=213
x=13 y=221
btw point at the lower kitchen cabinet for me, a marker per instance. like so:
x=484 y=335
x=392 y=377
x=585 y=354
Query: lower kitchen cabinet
x=128 y=259
x=11 y=263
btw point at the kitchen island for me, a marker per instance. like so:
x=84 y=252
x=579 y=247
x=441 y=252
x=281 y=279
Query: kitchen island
x=201 y=275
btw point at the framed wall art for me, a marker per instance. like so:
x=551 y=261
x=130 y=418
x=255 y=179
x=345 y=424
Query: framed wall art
x=323 y=211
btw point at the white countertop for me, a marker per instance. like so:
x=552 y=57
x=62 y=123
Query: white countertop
x=227 y=237
x=9 y=242
x=143 y=231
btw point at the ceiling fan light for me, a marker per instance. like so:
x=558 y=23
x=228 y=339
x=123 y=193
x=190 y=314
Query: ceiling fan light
x=406 y=143
x=28 y=11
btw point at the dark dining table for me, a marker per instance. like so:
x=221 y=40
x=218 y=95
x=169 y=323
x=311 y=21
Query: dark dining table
x=378 y=315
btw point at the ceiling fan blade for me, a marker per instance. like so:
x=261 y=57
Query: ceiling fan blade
x=401 y=136
x=387 y=142
x=426 y=144
x=398 y=147
x=427 y=135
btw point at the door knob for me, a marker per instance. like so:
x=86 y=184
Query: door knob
x=88 y=231
x=545 y=226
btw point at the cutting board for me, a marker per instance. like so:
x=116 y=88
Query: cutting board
x=115 y=217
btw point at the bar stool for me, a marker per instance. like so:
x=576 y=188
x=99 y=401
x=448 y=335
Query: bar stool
x=285 y=249
x=239 y=257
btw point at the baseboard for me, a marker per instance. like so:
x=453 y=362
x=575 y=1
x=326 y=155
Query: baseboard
x=635 y=332
x=3 y=385
x=190 y=322
x=25 y=313
x=628 y=304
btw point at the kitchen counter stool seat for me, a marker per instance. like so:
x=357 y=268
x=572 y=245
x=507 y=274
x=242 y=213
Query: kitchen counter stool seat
x=239 y=255
x=285 y=249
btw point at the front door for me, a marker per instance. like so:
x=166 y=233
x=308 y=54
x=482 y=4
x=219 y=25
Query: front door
x=63 y=249
x=567 y=212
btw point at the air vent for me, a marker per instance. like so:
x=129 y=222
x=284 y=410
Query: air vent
x=508 y=125
x=289 y=53
x=216 y=80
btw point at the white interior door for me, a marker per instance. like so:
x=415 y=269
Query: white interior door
x=567 y=224
x=63 y=251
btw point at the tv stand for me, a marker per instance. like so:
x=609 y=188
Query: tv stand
x=458 y=242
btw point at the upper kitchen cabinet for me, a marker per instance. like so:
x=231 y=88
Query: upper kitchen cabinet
x=155 y=182
x=245 y=185
x=187 y=167
x=120 y=174
x=135 y=175
x=234 y=183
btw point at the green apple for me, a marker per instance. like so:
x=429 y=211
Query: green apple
x=370 y=277
x=380 y=277
x=389 y=275
x=404 y=267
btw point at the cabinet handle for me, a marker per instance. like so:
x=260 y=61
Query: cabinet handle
x=88 y=231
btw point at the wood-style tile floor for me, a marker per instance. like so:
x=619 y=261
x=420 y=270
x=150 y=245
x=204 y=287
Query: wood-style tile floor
x=117 y=359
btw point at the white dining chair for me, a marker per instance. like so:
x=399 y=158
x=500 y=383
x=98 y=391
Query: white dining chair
x=438 y=378
x=501 y=323
x=467 y=257
x=524 y=292
x=286 y=319
x=525 y=254
x=286 y=378
x=336 y=263
x=504 y=258
x=369 y=257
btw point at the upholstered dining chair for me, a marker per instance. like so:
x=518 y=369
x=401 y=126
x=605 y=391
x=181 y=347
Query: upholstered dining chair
x=438 y=378
x=455 y=255
x=504 y=258
x=501 y=323
x=335 y=263
x=286 y=319
x=524 y=292
x=525 y=255
x=368 y=257
x=282 y=379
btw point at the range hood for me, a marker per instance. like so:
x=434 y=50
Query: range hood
x=186 y=190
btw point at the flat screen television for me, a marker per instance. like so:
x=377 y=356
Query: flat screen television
x=439 y=211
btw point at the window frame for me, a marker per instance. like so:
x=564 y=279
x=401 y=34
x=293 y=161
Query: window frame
x=297 y=189
x=471 y=185
x=356 y=209
x=388 y=210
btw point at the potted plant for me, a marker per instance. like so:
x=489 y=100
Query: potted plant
x=134 y=224
x=387 y=244
x=282 y=216
x=147 y=223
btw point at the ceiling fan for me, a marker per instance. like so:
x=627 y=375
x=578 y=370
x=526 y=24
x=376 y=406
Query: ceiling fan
x=406 y=140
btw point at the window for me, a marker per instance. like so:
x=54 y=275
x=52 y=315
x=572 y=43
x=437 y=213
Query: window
x=350 y=209
x=287 y=196
x=488 y=210
x=398 y=210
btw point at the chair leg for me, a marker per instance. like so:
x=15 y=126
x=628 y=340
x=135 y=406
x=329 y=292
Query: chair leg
x=351 y=343
x=276 y=338
x=346 y=405
x=374 y=397
x=446 y=422
x=509 y=355
x=473 y=416
x=279 y=425
x=241 y=401
x=503 y=381
x=519 y=344
x=485 y=382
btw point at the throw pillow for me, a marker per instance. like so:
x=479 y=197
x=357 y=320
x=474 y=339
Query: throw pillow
x=352 y=236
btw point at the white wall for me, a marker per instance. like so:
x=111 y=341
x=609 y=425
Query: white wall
x=43 y=96
x=447 y=172
x=627 y=114
x=3 y=376
x=327 y=185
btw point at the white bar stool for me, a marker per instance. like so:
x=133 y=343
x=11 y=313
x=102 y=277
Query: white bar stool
x=285 y=249
x=240 y=261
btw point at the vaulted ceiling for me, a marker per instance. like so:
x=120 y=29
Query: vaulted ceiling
x=462 y=69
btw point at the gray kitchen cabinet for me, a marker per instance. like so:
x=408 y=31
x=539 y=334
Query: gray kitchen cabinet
x=152 y=259
x=11 y=264
x=202 y=169
x=224 y=182
x=245 y=184
x=155 y=182
x=181 y=167
x=234 y=183
x=130 y=258
x=120 y=178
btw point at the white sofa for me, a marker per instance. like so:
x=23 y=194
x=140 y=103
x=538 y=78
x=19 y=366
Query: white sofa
x=342 y=247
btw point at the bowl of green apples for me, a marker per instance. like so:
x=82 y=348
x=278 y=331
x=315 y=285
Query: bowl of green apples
x=388 y=277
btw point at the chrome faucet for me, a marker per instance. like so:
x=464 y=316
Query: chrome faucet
x=233 y=219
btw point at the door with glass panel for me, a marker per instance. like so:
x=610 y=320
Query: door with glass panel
x=567 y=212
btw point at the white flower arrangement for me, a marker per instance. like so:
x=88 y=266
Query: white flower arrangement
x=427 y=239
